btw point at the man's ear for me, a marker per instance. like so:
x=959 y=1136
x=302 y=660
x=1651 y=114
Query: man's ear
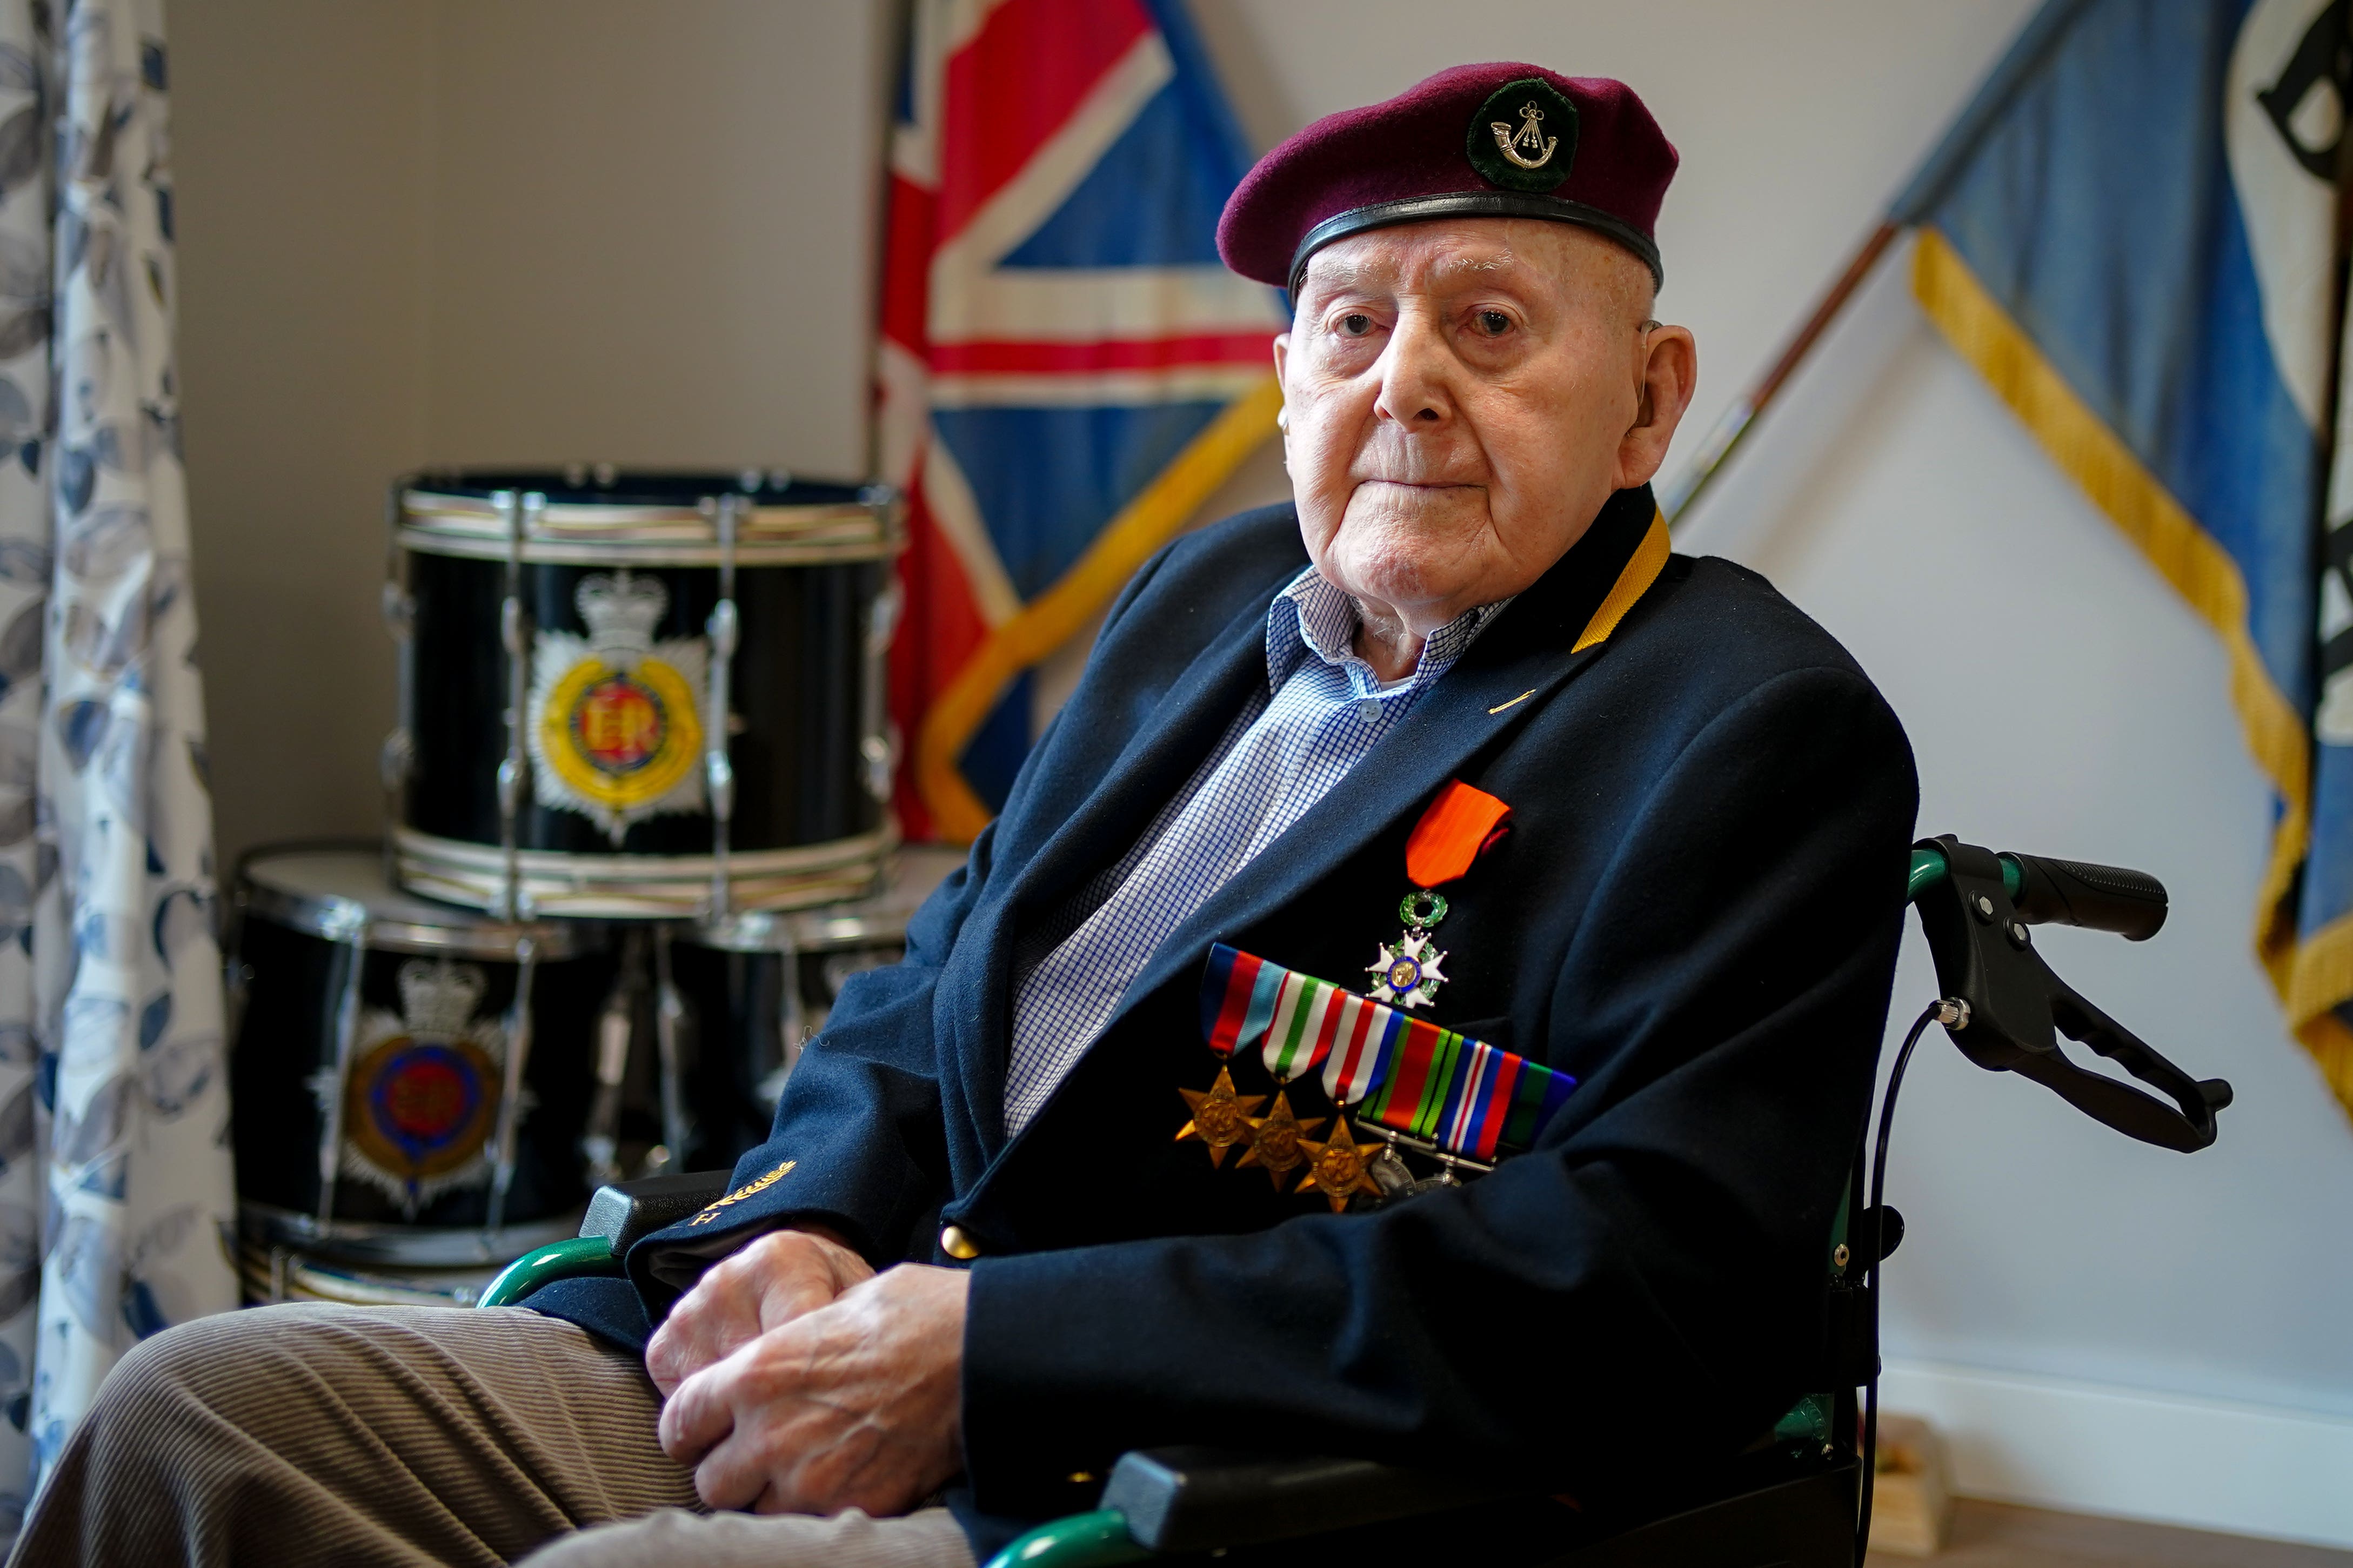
x=1670 y=375
x=1281 y=364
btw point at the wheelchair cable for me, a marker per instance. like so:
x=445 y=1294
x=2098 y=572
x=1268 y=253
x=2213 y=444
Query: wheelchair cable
x=1868 y=1478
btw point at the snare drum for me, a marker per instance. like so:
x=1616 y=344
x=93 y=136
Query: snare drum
x=750 y=989
x=410 y=1082
x=640 y=696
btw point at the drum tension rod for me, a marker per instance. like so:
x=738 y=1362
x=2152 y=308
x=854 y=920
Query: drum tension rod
x=719 y=772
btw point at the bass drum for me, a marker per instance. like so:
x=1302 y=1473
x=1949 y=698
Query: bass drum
x=753 y=989
x=642 y=695
x=410 y=1082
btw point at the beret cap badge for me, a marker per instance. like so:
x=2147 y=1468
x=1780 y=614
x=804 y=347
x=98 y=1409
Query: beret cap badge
x=1523 y=137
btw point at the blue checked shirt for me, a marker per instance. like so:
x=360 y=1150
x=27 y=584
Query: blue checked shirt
x=1280 y=756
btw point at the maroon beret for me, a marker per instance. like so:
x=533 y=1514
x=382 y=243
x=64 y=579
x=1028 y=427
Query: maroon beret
x=1492 y=141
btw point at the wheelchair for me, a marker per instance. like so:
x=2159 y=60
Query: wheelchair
x=1800 y=1497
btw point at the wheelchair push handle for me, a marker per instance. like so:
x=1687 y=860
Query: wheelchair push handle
x=2099 y=898
x=2045 y=891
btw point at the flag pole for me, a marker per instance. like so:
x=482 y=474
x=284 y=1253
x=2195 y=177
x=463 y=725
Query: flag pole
x=1724 y=438
x=2042 y=33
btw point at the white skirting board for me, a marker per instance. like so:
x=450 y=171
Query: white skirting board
x=2208 y=1464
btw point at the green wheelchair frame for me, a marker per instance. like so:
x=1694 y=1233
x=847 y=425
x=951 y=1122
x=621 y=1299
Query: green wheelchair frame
x=1800 y=1497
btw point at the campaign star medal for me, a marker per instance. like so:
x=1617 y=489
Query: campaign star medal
x=1339 y=1166
x=1459 y=827
x=1221 y=1118
x=1277 y=1141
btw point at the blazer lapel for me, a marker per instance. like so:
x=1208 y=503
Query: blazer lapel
x=1168 y=746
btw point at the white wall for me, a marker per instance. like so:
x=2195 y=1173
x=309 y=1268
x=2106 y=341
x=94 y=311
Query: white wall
x=654 y=229
x=300 y=137
x=503 y=229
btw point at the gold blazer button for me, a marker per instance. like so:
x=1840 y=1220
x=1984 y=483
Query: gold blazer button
x=957 y=1245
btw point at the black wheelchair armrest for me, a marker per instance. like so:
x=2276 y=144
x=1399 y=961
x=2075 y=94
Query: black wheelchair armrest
x=1196 y=1499
x=623 y=1212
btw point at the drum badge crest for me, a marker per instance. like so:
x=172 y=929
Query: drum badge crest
x=422 y=1096
x=616 y=734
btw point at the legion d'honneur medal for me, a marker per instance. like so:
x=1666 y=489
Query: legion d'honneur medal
x=1460 y=826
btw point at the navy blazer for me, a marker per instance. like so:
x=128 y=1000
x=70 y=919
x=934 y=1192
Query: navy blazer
x=1695 y=914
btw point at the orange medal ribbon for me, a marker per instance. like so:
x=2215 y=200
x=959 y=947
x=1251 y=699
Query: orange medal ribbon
x=1461 y=825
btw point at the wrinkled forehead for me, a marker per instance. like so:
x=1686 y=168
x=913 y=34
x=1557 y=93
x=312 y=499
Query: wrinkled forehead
x=1445 y=255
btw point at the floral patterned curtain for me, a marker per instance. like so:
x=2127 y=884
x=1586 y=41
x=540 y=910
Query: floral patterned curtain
x=116 y=1210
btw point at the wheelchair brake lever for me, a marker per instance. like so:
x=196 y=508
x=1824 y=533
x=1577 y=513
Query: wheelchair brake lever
x=2120 y=1106
x=2017 y=1007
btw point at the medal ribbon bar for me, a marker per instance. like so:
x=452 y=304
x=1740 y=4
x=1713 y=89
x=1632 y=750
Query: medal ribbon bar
x=1400 y=1072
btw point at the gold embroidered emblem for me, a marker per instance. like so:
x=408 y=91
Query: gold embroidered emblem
x=748 y=1189
x=1530 y=134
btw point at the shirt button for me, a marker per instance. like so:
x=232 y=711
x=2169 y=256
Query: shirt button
x=957 y=1245
x=1368 y=710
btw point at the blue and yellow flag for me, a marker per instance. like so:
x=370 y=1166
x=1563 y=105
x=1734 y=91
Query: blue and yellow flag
x=2131 y=234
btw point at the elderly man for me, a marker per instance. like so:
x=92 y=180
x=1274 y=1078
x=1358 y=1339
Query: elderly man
x=1648 y=822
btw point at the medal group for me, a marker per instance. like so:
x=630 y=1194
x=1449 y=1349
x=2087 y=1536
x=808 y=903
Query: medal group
x=1432 y=1090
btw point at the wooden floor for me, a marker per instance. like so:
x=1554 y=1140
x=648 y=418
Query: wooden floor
x=1994 y=1535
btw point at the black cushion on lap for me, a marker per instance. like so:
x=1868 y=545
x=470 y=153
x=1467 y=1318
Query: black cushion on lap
x=621 y=1212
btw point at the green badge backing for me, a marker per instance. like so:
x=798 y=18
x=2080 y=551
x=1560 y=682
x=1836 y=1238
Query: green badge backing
x=1524 y=138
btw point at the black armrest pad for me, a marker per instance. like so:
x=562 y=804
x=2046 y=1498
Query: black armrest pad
x=1193 y=1500
x=624 y=1212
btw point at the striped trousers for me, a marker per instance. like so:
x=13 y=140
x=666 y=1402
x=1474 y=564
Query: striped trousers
x=408 y=1437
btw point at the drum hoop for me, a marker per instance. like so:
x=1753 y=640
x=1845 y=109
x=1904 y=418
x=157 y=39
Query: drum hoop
x=809 y=930
x=644 y=887
x=335 y=918
x=829 y=930
x=412 y=1245
x=747 y=930
x=818 y=932
x=560 y=513
x=563 y=531
x=653 y=551
x=311 y=1277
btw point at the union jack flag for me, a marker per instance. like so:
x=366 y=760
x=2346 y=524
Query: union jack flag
x=1066 y=371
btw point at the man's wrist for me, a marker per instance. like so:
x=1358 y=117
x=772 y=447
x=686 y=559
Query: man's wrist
x=819 y=1229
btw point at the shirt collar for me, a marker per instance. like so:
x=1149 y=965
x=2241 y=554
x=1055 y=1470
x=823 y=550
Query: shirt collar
x=1311 y=616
